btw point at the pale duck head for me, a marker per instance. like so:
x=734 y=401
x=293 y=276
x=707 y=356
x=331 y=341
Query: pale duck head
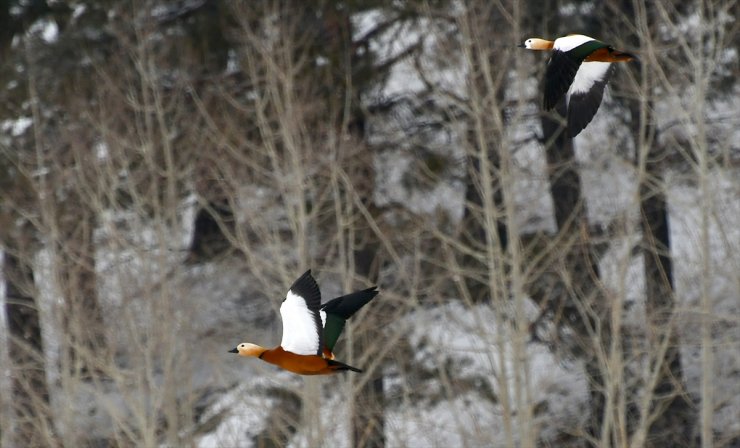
x=535 y=43
x=247 y=349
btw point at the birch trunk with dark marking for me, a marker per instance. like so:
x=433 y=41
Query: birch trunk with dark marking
x=29 y=390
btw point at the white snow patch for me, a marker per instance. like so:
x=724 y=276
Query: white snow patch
x=243 y=417
x=468 y=337
x=232 y=64
x=463 y=421
x=16 y=127
x=47 y=29
x=101 y=150
x=391 y=167
x=78 y=10
x=334 y=430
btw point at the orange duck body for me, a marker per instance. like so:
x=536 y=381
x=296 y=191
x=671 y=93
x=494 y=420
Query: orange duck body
x=310 y=330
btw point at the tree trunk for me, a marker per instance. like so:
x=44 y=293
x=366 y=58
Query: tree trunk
x=675 y=414
x=674 y=423
x=578 y=260
x=482 y=138
x=368 y=406
x=83 y=318
x=30 y=393
x=368 y=413
x=209 y=240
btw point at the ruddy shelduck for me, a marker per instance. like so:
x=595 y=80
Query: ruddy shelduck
x=310 y=330
x=579 y=68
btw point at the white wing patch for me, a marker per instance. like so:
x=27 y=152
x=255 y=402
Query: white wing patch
x=568 y=43
x=322 y=313
x=588 y=74
x=300 y=334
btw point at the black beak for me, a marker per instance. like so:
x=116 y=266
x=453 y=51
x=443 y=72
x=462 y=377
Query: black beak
x=234 y=350
x=521 y=45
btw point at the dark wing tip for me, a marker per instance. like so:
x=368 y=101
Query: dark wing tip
x=346 y=306
x=308 y=289
x=581 y=113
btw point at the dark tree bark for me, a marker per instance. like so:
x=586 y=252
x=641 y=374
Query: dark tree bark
x=674 y=424
x=368 y=407
x=579 y=260
x=368 y=412
x=209 y=240
x=675 y=421
x=30 y=393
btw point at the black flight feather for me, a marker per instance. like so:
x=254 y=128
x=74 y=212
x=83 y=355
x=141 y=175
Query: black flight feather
x=560 y=73
x=348 y=305
x=342 y=366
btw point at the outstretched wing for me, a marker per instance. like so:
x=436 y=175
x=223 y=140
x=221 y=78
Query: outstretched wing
x=302 y=329
x=335 y=313
x=585 y=94
x=560 y=73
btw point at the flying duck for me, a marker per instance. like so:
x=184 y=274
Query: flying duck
x=579 y=68
x=310 y=330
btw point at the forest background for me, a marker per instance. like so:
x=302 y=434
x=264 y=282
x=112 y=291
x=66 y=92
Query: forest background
x=167 y=169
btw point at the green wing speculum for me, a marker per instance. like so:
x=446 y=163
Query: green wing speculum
x=332 y=329
x=582 y=51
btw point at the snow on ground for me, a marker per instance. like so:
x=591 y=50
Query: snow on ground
x=241 y=412
x=463 y=421
x=470 y=338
